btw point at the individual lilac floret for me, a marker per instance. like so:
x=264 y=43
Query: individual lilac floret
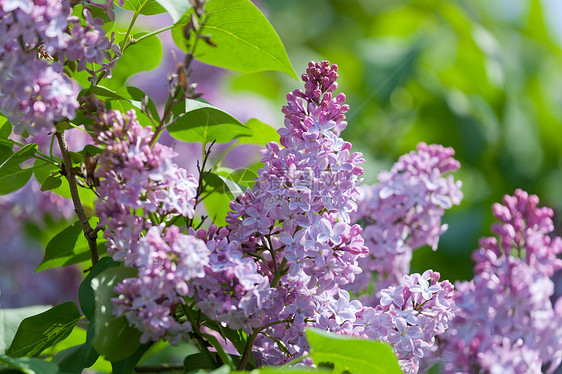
x=506 y=321
x=137 y=184
x=167 y=261
x=403 y=212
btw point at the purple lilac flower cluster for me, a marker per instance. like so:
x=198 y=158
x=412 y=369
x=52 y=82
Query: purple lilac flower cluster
x=289 y=244
x=34 y=42
x=403 y=212
x=505 y=322
x=141 y=185
x=166 y=260
x=141 y=191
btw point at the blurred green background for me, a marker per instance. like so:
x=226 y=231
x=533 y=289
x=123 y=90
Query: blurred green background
x=482 y=76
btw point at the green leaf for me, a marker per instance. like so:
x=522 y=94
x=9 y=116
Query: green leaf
x=70 y=360
x=127 y=365
x=225 y=357
x=351 y=354
x=263 y=133
x=114 y=338
x=175 y=8
x=217 y=207
x=97 y=12
x=42 y=170
x=76 y=359
x=246 y=41
x=201 y=122
x=124 y=104
x=199 y=361
x=11 y=163
x=29 y=365
x=222 y=185
x=5 y=128
x=41 y=331
x=51 y=182
x=243 y=177
x=103 y=92
x=138 y=57
x=10 y=319
x=68 y=247
x=138 y=95
x=145 y=7
x=86 y=292
x=14 y=180
x=276 y=370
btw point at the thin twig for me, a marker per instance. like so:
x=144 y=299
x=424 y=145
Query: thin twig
x=89 y=233
x=202 y=175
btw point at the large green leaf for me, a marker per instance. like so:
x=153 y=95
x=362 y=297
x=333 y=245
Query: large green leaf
x=86 y=292
x=28 y=365
x=96 y=12
x=198 y=121
x=246 y=41
x=14 y=180
x=12 y=176
x=24 y=153
x=277 y=370
x=360 y=356
x=243 y=177
x=5 y=128
x=68 y=247
x=138 y=95
x=175 y=8
x=41 y=331
x=10 y=319
x=75 y=359
x=127 y=365
x=145 y=7
x=263 y=133
x=142 y=56
x=114 y=338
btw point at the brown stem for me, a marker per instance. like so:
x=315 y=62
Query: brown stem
x=89 y=233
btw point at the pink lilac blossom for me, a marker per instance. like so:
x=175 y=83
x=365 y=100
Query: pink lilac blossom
x=403 y=212
x=35 y=39
x=506 y=321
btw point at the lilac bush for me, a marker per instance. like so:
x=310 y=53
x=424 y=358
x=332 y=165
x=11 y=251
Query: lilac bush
x=304 y=248
x=403 y=212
